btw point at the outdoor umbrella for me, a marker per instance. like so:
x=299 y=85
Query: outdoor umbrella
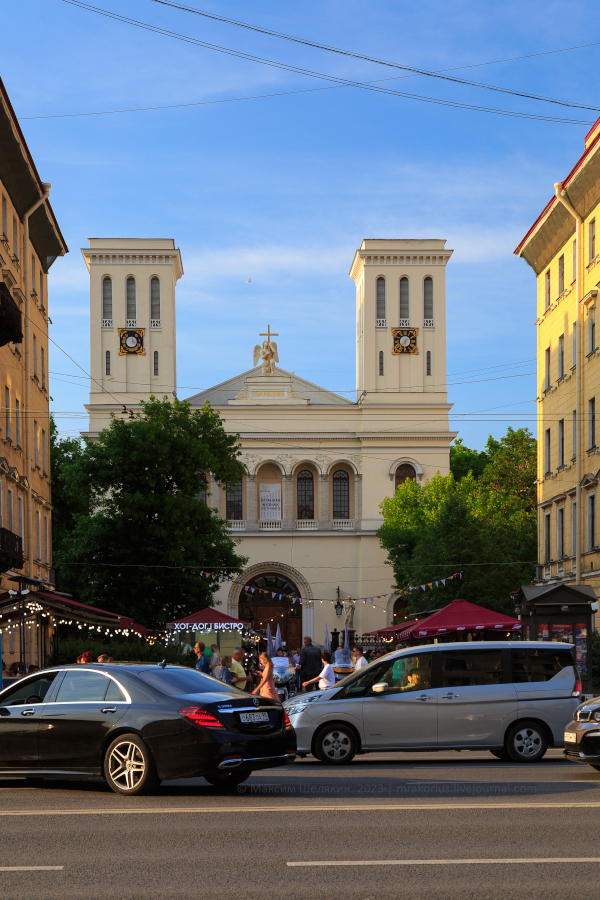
x=327 y=641
x=346 y=642
x=278 y=641
x=269 y=640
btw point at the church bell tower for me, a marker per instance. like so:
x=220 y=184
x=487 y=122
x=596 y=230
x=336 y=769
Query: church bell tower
x=132 y=323
x=400 y=319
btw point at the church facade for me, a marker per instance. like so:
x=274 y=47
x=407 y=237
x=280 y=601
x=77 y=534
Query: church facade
x=318 y=465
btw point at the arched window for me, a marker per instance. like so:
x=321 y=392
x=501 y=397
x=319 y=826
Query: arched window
x=380 y=315
x=233 y=500
x=154 y=302
x=108 y=362
x=107 y=310
x=131 y=303
x=156 y=362
x=404 y=303
x=306 y=495
x=341 y=495
x=403 y=473
x=429 y=362
x=381 y=362
x=428 y=302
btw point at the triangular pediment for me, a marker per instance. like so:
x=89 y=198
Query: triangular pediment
x=221 y=394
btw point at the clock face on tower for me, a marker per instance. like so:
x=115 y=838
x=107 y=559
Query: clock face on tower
x=405 y=340
x=131 y=340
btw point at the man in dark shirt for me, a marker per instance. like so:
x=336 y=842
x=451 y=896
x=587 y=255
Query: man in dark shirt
x=202 y=662
x=310 y=663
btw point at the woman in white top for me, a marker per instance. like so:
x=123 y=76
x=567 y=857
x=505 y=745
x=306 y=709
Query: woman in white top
x=215 y=660
x=326 y=678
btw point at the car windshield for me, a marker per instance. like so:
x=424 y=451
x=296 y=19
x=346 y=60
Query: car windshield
x=355 y=675
x=184 y=681
x=281 y=662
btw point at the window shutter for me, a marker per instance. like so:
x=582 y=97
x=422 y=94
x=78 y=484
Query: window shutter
x=404 y=303
x=107 y=307
x=380 y=298
x=428 y=300
x=155 y=298
x=131 y=300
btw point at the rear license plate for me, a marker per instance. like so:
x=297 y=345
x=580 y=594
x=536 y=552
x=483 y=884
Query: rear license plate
x=570 y=737
x=254 y=717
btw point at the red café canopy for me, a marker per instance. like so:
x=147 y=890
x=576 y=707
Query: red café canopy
x=208 y=619
x=460 y=615
x=391 y=630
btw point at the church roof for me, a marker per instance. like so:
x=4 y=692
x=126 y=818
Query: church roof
x=220 y=394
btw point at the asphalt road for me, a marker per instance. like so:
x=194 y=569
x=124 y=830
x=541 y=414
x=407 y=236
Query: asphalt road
x=421 y=826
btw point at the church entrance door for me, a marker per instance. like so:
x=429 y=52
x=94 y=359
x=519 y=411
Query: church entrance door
x=268 y=605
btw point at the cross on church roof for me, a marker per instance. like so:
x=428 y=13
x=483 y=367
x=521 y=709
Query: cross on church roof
x=269 y=334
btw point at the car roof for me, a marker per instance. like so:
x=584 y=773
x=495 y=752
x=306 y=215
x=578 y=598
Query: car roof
x=110 y=667
x=479 y=645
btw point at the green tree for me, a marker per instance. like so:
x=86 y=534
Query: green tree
x=67 y=503
x=463 y=460
x=139 y=547
x=484 y=528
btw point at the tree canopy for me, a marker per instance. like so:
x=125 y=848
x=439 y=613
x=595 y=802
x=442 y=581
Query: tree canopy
x=145 y=532
x=483 y=527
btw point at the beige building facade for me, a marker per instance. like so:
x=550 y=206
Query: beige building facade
x=562 y=249
x=319 y=465
x=30 y=242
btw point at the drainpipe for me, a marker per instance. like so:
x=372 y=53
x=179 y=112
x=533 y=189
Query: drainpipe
x=28 y=422
x=563 y=198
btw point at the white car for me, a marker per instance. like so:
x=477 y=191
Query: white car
x=513 y=698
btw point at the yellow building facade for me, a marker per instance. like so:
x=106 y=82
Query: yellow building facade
x=30 y=241
x=563 y=250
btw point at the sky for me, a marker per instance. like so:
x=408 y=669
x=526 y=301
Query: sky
x=282 y=189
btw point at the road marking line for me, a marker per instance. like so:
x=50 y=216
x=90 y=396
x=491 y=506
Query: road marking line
x=349 y=807
x=446 y=862
x=30 y=868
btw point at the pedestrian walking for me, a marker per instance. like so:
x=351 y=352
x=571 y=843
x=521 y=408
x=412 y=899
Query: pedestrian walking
x=361 y=662
x=201 y=661
x=266 y=686
x=240 y=679
x=325 y=678
x=310 y=663
x=215 y=659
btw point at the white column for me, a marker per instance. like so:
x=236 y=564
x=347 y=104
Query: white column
x=307 y=618
x=287 y=491
x=324 y=521
x=250 y=511
x=357 y=500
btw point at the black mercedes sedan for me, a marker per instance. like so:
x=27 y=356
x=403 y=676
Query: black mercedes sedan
x=136 y=725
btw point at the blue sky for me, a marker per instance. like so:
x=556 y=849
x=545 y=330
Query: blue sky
x=282 y=190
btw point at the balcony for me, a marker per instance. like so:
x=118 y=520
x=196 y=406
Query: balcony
x=380 y=323
x=130 y=323
x=427 y=323
x=11 y=328
x=307 y=524
x=342 y=524
x=155 y=324
x=107 y=323
x=270 y=524
x=11 y=550
x=404 y=323
x=236 y=524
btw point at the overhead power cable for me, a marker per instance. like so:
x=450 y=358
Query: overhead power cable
x=321 y=76
x=414 y=70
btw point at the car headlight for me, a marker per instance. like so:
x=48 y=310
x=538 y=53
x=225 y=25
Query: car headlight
x=597 y=716
x=292 y=710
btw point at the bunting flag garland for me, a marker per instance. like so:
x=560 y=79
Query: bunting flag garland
x=371 y=600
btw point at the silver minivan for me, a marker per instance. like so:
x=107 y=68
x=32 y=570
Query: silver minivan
x=513 y=698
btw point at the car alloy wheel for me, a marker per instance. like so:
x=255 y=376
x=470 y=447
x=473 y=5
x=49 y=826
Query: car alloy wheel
x=128 y=766
x=526 y=742
x=335 y=745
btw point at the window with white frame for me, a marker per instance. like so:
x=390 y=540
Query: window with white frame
x=547 y=370
x=561 y=442
x=18 y=422
x=547 y=535
x=46 y=542
x=547 y=448
x=44 y=452
x=574 y=434
x=43 y=367
x=404 y=302
x=380 y=316
x=547 y=290
x=574 y=345
x=428 y=302
x=41 y=290
x=154 y=302
x=33 y=274
x=131 y=321
x=591 y=521
x=574 y=246
x=592 y=240
x=107 y=302
x=560 y=532
x=573 y=527
x=561 y=275
x=591 y=423
x=561 y=356
x=591 y=330
x=38 y=536
x=35 y=371
x=36 y=452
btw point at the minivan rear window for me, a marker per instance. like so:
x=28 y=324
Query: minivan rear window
x=462 y=668
x=183 y=681
x=539 y=663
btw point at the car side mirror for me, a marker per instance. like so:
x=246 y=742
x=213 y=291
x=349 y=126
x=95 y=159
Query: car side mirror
x=381 y=687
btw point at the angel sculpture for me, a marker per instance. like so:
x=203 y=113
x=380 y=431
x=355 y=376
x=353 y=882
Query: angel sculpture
x=267 y=354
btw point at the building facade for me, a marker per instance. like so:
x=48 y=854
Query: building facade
x=318 y=465
x=30 y=242
x=562 y=250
